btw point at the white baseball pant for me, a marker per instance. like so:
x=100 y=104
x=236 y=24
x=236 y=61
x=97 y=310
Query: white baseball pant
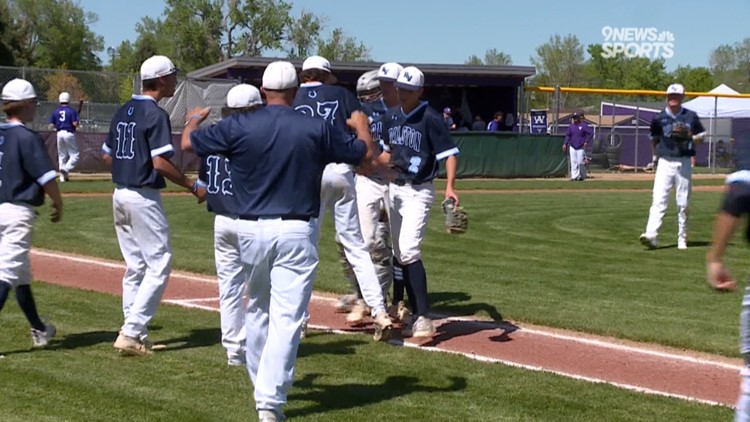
x=67 y=150
x=577 y=167
x=281 y=260
x=372 y=196
x=410 y=209
x=231 y=277
x=16 y=227
x=338 y=193
x=143 y=234
x=677 y=172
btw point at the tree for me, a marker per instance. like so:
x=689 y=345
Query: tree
x=261 y=25
x=340 y=47
x=194 y=28
x=62 y=81
x=123 y=58
x=694 y=79
x=730 y=64
x=56 y=33
x=492 y=57
x=559 y=62
x=302 y=35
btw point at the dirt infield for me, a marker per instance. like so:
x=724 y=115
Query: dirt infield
x=634 y=366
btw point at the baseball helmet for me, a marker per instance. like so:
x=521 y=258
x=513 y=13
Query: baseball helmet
x=368 y=86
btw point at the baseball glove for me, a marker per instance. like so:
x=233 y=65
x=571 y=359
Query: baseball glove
x=456 y=219
x=680 y=131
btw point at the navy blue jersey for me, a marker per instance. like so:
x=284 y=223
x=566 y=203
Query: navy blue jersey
x=24 y=165
x=216 y=177
x=334 y=104
x=375 y=111
x=276 y=157
x=63 y=117
x=417 y=141
x=661 y=127
x=139 y=132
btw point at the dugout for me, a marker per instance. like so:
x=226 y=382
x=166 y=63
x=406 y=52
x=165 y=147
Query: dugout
x=475 y=90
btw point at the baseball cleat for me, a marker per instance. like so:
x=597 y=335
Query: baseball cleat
x=303 y=333
x=422 y=327
x=132 y=346
x=682 y=244
x=358 y=313
x=383 y=327
x=42 y=338
x=649 y=242
x=345 y=303
x=270 y=416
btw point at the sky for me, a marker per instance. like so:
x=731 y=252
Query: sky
x=448 y=32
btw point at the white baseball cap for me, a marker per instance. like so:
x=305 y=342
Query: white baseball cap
x=389 y=71
x=64 y=97
x=18 y=90
x=676 y=89
x=157 y=66
x=317 y=62
x=279 y=76
x=410 y=79
x=243 y=95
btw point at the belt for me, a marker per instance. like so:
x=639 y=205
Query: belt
x=401 y=182
x=271 y=217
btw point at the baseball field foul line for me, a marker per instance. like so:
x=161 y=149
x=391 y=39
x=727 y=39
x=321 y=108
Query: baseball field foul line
x=481 y=358
x=199 y=303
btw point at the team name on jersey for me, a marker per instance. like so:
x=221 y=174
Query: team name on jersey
x=406 y=136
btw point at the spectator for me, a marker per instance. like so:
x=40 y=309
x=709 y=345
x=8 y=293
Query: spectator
x=496 y=123
x=447 y=119
x=479 y=124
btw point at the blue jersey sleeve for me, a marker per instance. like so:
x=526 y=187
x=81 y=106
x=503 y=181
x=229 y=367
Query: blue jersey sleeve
x=160 y=136
x=35 y=161
x=441 y=141
x=110 y=139
x=338 y=147
x=696 y=126
x=73 y=115
x=214 y=139
x=656 y=129
x=53 y=118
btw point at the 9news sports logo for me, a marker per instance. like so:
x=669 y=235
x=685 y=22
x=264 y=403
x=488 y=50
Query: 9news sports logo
x=637 y=42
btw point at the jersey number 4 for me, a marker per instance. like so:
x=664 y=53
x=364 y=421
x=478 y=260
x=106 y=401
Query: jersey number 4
x=125 y=140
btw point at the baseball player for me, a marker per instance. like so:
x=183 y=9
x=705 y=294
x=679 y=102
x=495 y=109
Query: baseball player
x=579 y=134
x=65 y=121
x=735 y=205
x=26 y=174
x=277 y=157
x=317 y=98
x=416 y=140
x=216 y=178
x=674 y=133
x=137 y=149
x=387 y=76
x=372 y=193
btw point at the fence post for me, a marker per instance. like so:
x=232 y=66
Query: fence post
x=556 y=110
x=637 y=138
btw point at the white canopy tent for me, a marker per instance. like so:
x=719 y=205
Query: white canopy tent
x=720 y=107
x=720 y=111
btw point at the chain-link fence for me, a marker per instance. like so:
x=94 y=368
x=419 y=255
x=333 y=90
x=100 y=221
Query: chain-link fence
x=621 y=120
x=100 y=94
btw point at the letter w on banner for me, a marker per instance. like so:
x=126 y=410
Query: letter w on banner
x=538 y=121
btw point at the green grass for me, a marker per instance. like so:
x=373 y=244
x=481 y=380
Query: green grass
x=106 y=186
x=569 y=260
x=338 y=378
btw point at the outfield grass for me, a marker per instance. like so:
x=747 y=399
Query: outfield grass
x=105 y=186
x=569 y=260
x=339 y=378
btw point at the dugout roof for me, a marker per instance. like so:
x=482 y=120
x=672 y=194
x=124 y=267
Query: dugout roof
x=471 y=89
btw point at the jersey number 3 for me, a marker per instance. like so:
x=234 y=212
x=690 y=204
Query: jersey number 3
x=125 y=140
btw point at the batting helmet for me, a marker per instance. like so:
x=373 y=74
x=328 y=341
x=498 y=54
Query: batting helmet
x=368 y=86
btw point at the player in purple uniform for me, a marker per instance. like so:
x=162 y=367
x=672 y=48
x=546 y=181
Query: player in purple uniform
x=138 y=148
x=65 y=121
x=26 y=174
x=416 y=140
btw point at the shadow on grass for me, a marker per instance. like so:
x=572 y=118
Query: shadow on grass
x=452 y=329
x=696 y=244
x=88 y=339
x=347 y=396
x=203 y=337
x=454 y=304
x=343 y=347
